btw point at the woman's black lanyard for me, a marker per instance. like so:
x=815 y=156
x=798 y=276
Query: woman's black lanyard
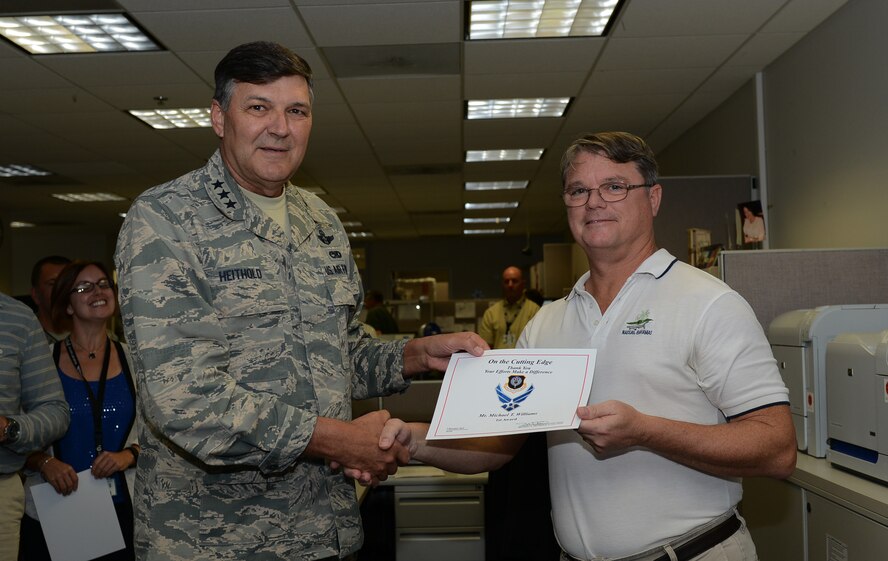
x=96 y=403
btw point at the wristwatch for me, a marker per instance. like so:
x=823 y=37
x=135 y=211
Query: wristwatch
x=11 y=432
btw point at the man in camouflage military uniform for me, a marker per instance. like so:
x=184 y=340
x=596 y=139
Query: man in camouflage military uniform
x=240 y=300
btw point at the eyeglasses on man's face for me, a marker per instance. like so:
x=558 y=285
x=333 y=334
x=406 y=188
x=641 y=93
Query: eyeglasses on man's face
x=88 y=286
x=610 y=192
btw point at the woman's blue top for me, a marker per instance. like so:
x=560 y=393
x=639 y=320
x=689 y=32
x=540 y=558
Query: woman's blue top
x=78 y=446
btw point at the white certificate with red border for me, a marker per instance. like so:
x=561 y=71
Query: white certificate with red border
x=512 y=391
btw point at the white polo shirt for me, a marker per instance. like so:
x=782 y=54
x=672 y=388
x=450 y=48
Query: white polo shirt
x=677 y=343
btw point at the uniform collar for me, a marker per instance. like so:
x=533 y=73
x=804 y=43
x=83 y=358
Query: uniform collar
x=306 y=216
x=225 y=194
x=578 y=287
x=657 y=265
x=223 y=190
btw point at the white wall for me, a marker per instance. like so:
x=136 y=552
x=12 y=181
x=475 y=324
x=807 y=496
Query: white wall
x=826 y=131
x=722 y=143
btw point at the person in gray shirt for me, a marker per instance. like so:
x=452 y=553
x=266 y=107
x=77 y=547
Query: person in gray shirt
x=33 y=410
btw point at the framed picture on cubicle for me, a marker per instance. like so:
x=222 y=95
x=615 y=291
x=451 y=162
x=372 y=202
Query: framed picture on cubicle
x=750 y=224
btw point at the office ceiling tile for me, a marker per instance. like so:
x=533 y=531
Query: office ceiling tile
x=384 y=24
x=204 y=30
x=530 y=56
x=402 y=88
x=645 y=18
x=391 y=82
x=121 y=69
x=499 y=86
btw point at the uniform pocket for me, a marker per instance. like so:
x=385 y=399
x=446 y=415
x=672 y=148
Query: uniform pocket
x=342 y=308
x=256 y=320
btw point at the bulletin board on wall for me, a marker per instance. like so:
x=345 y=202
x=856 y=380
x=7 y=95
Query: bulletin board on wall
x=777 y=281
x=707 y=202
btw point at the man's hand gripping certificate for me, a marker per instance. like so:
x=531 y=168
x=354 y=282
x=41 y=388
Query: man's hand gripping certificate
x=512 y=391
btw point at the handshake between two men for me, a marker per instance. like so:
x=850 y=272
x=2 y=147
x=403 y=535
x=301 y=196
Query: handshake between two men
x=373 y=446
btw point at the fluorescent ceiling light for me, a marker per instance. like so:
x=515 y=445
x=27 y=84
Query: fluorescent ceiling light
x=75 y=33
x=486 y=231
x=487 y=206
x=495 y=185
x=516 y=108
x=504 y=155
x=173 y=118
x=339 y=210
x=540 y=18
x=121 y=214
x=88 y=197
x=360 y=234
x=17 y=224
x=352 y=224
x=494 y=220
x=21 y=170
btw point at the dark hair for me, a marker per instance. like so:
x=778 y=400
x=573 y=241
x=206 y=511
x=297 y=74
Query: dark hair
x=618 y=147
x=260 y=62
x=38 y=267
x=61 y=292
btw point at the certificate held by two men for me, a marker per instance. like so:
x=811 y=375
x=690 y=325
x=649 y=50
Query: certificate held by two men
x=512 y=391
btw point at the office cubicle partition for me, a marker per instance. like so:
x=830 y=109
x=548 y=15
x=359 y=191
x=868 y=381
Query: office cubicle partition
x=777 y=281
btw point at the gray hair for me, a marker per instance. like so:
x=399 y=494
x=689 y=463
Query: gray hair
x=618 y=147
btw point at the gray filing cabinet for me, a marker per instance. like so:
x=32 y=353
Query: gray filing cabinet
x=775 y=514
x=819 y=514
x=836 y=533
x=438 y=515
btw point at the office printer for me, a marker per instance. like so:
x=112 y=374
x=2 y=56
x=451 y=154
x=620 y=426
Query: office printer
x=857 y=401
x=798 y=340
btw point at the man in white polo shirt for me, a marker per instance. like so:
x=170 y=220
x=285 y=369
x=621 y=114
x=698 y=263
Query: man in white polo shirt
x=686 y=399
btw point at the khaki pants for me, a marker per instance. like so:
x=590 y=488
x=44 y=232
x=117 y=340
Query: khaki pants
x=12 y=506
x=738 y=547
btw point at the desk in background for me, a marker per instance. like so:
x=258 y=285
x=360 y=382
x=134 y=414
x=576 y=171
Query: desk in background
x=438 y=515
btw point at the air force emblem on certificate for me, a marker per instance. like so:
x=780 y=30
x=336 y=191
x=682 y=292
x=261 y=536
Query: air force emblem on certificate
x=513 y=391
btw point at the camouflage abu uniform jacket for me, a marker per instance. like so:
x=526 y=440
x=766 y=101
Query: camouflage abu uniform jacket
x=241 y=338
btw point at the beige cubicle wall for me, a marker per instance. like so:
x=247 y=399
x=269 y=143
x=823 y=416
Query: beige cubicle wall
x=820 y=513
x=777 y=281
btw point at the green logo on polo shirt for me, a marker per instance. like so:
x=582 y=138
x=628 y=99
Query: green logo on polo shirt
x=639 y=326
